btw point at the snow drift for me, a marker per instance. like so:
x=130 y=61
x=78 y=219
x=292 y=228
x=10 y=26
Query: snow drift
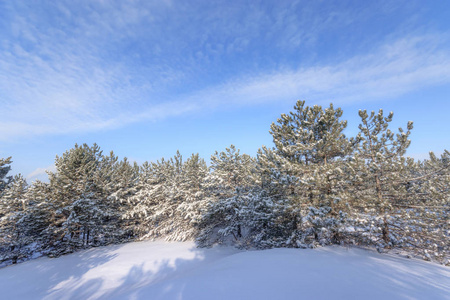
x=162 y=270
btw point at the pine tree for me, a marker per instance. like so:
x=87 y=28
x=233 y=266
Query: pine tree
x=83 y=215
x=121 y=183
x=381 y=167
x=4 y=169
x=153 y=207
x=228 y=183
x=121 y=180
x=163 y=214
x=148 y=206
x=421 y=224
x=13 y=205
x=35 y=226
x=310 y=135
x=229 y=170
x=308 y=165
x=137 y=208
x=194 y=200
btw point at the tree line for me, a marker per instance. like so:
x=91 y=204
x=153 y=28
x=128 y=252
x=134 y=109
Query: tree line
x=314 y=187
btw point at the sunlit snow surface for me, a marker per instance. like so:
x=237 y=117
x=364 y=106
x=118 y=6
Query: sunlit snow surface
x=161 y=270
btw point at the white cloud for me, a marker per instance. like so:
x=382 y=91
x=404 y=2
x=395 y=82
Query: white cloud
x=62 y=79
x=401 y=67
x=40 y=173
x=71 y=103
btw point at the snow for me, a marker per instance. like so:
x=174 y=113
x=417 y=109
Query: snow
x=163 y=270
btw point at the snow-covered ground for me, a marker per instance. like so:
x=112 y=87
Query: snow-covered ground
x=161 y=270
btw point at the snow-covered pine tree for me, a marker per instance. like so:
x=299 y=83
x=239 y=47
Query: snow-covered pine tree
x=381 y=172
x=164 y=213
x=169 y=198
x=231 y=177
x=35 y=225
x=153 y=208
x=72 y=185
x=137 y=208
x=276 y=176
x=13 y=206
x=229 y=170
x=310 y=135
x=4 y=169
x=83 y=214
x=421 y=224
x=310 y=147
x=194 y=201
x=120 y=184
x=122 y=180
x=13 y=196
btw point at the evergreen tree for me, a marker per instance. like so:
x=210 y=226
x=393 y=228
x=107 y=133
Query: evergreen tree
x=381 y=167
x=167 y=196
x=307 y=168
x=229 y=170
x=13 y=205
x=231 y=178
x=194 y=203
x=83 y=215
x=137 y=208
x=121 y=180
x=310 y=135
x=4 y=169
x=121 y=183
x=420 y=220
x=35 y=226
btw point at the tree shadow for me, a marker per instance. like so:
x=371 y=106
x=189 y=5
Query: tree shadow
x=100 y=274
x=166 y=281
x=43 y=276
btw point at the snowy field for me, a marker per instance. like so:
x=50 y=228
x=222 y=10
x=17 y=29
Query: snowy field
x=161 y=270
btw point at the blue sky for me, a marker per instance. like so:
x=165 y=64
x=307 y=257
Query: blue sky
x=145 y=78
